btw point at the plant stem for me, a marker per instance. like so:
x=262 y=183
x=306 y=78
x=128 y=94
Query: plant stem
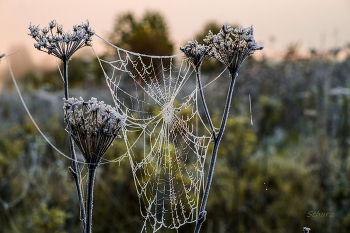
x=73 y=170
x=205 y=104
x=89 y=199
x=202 y=212
x=65 y=77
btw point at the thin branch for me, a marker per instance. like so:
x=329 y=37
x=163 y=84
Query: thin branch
x=205 y=104
x=89 y=199
x=74 y=170
x=202 y=213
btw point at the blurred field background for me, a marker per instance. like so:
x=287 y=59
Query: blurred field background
x=270 y=173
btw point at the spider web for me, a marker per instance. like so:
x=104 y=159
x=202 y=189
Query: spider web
x=165 y=136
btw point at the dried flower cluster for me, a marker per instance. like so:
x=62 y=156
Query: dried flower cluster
x=93 y=126
x=53 y=40
x=196 y=53
x=1 y=56
x=232 y=52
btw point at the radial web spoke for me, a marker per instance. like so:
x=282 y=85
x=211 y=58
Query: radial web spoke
x=165 y=136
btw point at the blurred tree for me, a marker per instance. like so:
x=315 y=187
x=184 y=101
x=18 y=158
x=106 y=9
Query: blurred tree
x=148 y=35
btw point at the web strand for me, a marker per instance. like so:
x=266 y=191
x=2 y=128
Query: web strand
x=166 y=149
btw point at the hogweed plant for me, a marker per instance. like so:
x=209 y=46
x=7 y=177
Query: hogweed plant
x=93 y=126
x=54 y=41
x=231 y=47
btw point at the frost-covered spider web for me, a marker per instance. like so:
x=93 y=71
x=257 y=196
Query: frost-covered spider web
x=165 y=136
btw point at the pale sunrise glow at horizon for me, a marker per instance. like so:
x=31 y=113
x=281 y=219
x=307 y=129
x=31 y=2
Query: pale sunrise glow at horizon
x=315 y=24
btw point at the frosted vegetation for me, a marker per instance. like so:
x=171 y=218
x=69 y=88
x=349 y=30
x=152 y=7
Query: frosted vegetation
x=150 y=137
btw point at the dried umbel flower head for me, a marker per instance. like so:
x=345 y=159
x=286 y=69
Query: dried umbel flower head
x=93 y=126
x=1 y=56
x=53 y=40
x=232 y=47
x=196 y=53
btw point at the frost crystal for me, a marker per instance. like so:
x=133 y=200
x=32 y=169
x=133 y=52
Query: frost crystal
x=232 y=52
x=93 y=126
x=196 y=53
x=168 y=113
x=58 y=43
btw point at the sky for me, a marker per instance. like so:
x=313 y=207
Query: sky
x=320 y=24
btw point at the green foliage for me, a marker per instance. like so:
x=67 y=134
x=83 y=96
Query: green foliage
x=49 y=220
x=271 y=114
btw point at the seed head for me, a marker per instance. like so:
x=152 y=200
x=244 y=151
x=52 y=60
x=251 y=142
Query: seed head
x=232 y=51
x=59 y=43
x=93 y=126
x=196 y=53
